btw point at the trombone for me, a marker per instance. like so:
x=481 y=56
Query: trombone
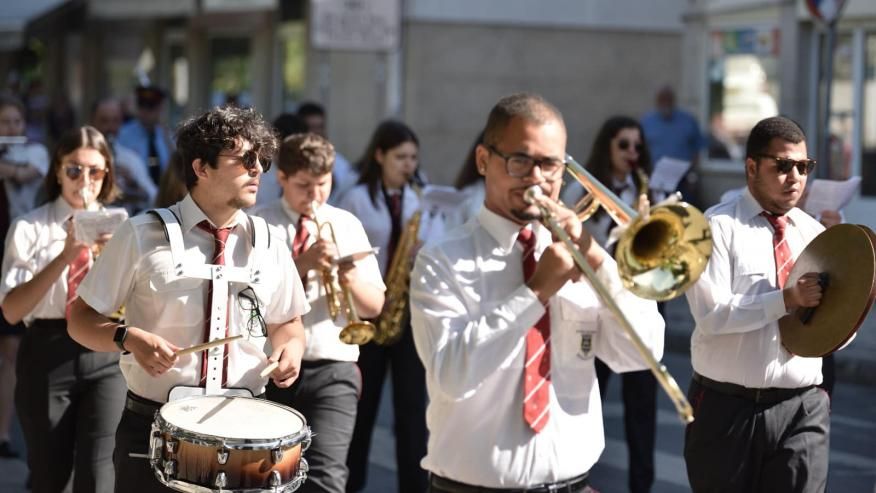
x=659 y=255
x=534 y=196
x=356 y=331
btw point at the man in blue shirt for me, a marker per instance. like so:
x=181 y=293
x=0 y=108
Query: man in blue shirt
x=145 y=134
x=674 y=133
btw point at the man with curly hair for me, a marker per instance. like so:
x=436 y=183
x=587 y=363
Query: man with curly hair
x=153 y=267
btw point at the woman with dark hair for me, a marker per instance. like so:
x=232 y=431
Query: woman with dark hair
x=620 y=160
x=470 y=181
x=384 y=201
x=68 y=398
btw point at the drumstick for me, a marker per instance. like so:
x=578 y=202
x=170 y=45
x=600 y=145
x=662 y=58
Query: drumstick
x=269 y=369
x=207 y=345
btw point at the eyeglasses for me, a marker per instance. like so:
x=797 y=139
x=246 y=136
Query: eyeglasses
x=249 y=160
x=520 y=165
x=249 y=302
x=624 y=145
x=75 y=171
x=784 y=165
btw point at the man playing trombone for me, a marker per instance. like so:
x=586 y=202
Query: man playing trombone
x=507 y=329
x=317 y=232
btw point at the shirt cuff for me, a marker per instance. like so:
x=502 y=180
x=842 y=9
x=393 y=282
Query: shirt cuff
x=607 y=274
x=774 y=305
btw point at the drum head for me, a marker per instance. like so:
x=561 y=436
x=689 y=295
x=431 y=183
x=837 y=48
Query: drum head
x=846 y=253
x=233 y=417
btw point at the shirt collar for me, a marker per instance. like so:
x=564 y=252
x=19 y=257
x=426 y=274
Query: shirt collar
x=749 y=208
x=62 y=209
x=190 y=215
x=503 y=230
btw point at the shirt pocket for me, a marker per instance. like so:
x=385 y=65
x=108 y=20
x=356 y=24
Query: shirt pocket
x=573 y=347
x=751 y=274
x=177 y=301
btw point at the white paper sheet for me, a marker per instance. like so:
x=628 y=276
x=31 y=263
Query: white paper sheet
x=442 y=198
x=88 y=226
x=668 y=173
x=830 y=195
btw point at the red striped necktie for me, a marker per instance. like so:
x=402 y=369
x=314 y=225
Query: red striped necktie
x=537 y=369
x=301 y=236
x=76 y=271
x=220 y=236
x=784 y=262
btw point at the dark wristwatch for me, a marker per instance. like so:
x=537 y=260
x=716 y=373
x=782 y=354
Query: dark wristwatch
x=119 y=338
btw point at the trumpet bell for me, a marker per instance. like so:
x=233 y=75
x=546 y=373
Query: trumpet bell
x=660 y=256
x=358 y=333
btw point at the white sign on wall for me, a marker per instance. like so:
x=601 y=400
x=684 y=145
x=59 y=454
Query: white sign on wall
x=371 y=25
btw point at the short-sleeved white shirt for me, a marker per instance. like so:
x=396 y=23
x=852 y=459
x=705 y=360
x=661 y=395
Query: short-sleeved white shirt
x=135 y=269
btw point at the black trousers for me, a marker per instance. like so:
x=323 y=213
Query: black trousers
x=737 y=444
x=639 y=394
x=134 y=474
x=326 y=393
x=409 y=408
x=69 y=401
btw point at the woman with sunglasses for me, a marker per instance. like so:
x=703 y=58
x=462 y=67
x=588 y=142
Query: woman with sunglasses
x=620 y=160
x=68 y=398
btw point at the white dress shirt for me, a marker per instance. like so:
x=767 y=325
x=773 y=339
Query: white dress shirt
x=322 y=332
x=34 y=240
x=135 y=270
x=22 y=197
x=470 y=314
x=378 y=223
x=736 y=303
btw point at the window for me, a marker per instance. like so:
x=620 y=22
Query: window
x=743 y=87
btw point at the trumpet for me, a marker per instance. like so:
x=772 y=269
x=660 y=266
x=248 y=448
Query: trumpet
x=660 y=254
x=534 y=196
x=356 y=331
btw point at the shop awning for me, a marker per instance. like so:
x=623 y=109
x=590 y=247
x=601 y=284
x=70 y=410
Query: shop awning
x=15 y=15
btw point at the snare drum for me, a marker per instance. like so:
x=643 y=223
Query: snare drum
x=236 y=444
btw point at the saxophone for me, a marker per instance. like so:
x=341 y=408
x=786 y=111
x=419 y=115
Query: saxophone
x=392 y=319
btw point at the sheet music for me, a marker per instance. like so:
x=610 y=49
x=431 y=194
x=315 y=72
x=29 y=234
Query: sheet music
x=88 y=226
x=442 y=198
x=830 y=195
x=668 y=173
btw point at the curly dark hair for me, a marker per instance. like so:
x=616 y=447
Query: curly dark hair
x=76 y=138
x=307 y=152
x=205 y=136
x=768 y=129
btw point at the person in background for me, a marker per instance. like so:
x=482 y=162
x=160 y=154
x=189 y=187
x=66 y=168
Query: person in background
x=760 y=422
x=137 y=190
x=344 y=177
x=620 y=160
x=270 y=190
x=172 y=188
x=22 y=167
x=507 y=329
x=471 y=182
x=385 y=202
x=145 y=134
x=327 y=390
x=69 y=399
x=671 y=132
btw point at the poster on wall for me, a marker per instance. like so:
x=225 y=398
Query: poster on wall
x=372 y=25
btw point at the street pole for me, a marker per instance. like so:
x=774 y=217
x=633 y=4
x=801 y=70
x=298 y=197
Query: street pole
x=823 y=170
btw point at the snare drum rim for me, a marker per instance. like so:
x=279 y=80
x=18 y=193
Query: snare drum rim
x=208 y=440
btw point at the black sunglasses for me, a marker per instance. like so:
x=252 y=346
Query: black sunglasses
x=624 y=144
x=250 y=303
x=75 y=171
x=249 y=160
x=784 y=165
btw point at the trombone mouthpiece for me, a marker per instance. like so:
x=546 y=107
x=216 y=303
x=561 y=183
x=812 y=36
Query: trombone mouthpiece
x=532 y=194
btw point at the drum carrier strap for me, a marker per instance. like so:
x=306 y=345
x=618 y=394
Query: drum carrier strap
x=221 y=275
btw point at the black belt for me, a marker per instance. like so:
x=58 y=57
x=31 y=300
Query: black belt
x=148 y=408
x=769 y=395
x=573 y=485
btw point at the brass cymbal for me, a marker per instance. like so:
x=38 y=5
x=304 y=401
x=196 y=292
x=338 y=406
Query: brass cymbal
x=844 y=252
